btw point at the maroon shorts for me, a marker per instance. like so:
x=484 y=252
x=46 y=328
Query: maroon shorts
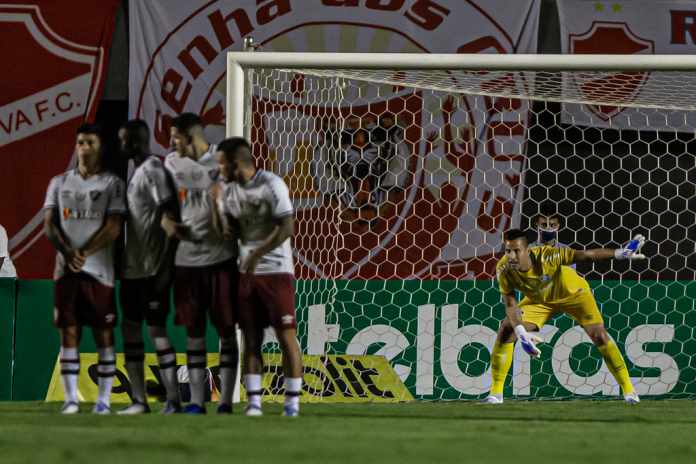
x=142 y=300
x=80 y=300
x=206 y=290
x=267 y=300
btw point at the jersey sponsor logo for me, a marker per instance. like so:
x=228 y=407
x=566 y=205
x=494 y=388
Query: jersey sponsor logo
x=72 y=213
x=612 y=38
x=179 y=176
x=66 y=194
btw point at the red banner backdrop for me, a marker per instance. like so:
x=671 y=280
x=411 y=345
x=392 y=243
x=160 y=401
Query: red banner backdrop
x=55 y=56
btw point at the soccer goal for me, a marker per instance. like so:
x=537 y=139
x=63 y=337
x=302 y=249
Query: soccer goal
x=405 y=169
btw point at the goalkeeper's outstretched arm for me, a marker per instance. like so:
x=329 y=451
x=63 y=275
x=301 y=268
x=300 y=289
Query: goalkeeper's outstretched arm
x=629 y=251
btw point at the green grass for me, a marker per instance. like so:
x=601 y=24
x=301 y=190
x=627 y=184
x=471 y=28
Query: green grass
x=599 y=432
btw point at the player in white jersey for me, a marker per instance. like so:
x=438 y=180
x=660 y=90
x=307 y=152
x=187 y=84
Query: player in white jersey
x=83 y=215
x=256 y=204
x=147 y=268
x=205 y=279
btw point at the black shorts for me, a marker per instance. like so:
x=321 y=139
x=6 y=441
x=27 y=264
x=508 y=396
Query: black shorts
x=144 y=300
x=199 y=291
x=81 y=300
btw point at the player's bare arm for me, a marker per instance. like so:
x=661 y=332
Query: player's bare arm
x=173 y=228
x=104 y=236
x=282 y=232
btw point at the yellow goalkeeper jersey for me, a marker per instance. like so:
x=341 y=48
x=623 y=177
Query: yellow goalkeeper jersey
x=548 y=280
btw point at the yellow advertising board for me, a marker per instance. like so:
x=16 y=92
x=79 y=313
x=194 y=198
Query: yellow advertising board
x=330 y=378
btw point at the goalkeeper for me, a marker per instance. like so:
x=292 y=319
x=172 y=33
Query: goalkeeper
x=543 y=275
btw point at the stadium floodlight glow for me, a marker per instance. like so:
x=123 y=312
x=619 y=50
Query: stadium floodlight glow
x=405 y=169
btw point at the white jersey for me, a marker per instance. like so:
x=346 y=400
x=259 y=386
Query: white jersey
x=257 y=206
x=82 y=206
x=193 y=181
x=7 y=269
x=146 y=243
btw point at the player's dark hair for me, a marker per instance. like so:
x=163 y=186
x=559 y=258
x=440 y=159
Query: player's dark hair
x=136 y=125
x=186 y=121
x=548 y=209
x=231 y=148
x=90 y=128
x=514 y=234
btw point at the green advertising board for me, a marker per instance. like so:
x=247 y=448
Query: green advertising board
x=437 y=336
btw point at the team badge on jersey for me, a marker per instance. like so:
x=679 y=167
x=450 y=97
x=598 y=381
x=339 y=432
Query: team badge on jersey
x=94 y=194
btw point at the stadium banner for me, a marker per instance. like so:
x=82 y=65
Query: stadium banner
x=327 y=379
x=177 y=64
x=58 y=67
x=627 y=27
x=437 y=338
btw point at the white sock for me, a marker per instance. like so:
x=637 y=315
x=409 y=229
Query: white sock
x=196 y=363
x=106 y=368
x=166 y=357
x=293 y=389
x=70 y=372
x=228 y=368
x=135 y=366
x=252 y=383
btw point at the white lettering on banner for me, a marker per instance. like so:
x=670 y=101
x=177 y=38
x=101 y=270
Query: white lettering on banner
x=669 y=370
x=48 y=108
x=454 y=338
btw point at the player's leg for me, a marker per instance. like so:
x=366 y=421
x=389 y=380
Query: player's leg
x=133 y=305
x=70 y=367
x=99 y=310
x=277 y=293
x=534 y=317
x=106 y=368
x=586 y=313
x=223 y=315
x=66 y=320
x=253 y=368
x=292 y=370
x=189 y=294
x=158 y=304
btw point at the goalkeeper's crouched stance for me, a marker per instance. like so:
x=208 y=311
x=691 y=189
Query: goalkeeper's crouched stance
x=549 y=286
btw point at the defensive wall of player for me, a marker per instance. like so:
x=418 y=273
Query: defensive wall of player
x=436 y=335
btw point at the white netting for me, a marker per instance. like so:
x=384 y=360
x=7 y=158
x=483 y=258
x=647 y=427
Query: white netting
x=403 y=182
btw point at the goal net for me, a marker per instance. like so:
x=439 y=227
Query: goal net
x=406 y=169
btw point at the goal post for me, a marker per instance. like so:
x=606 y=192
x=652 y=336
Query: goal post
x=405 y=169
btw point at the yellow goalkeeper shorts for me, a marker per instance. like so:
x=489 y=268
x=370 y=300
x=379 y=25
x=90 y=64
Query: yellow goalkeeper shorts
x=581 y=307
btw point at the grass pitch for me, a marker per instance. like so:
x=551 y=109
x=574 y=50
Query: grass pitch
x=536 y=432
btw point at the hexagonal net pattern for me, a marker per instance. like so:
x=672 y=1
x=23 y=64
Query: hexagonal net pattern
x=403 y=182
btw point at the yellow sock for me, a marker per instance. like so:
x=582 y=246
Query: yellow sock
x=617 y=366
x=501 y=359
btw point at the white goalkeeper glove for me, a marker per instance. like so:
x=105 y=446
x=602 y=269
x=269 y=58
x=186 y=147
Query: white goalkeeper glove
x=632 y=249
x=528 y=341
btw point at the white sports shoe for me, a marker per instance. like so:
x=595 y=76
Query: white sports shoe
x=492 y=399
x=632 y=398
x=134 y=409
x=253 y=411
x=70 y=407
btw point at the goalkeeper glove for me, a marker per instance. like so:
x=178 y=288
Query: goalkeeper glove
x=528 y=342
x=632 y=249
